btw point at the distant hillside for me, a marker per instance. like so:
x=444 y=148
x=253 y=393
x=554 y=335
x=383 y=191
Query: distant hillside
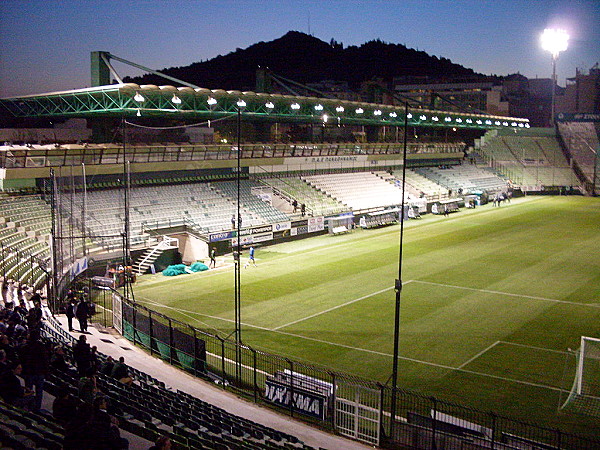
x=306 y=59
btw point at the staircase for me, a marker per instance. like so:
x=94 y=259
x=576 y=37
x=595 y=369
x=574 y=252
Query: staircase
x=151 y=254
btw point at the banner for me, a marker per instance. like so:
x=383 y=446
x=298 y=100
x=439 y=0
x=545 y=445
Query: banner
x=253 y=239
x=214 y=237
x=304 y=402
x=316 y=224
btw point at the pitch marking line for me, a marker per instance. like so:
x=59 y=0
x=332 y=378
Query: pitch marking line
x=404 y=358
x=562 y=352
x=508 y=294
x=336 y=307
x=489 y=347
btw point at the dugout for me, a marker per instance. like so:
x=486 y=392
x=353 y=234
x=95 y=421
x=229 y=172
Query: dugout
x=340 y=224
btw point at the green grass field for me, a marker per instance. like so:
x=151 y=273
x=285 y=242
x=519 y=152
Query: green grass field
x=492 y=300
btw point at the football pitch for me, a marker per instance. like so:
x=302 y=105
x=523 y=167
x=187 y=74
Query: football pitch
x=493 y=300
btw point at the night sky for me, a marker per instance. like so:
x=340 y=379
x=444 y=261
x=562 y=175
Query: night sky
x=45 y=45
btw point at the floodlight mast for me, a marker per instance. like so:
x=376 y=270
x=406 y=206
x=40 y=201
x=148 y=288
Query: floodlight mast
x=555 y=41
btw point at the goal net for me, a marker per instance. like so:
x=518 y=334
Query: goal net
x=585 y=393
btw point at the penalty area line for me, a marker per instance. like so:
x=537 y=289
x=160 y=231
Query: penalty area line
x=508 y=294
x=489 y=347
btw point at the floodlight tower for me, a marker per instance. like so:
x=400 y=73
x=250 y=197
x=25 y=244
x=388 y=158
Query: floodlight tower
x=555 y=41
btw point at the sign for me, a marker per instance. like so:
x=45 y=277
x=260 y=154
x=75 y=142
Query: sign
x=256 y=230
x=316 y=224
x=302 y=401
x=214 y=237
x=578 y=117
x=252 y=239
x=282 y=226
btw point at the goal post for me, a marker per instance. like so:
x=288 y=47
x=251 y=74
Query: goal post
x=584 y=396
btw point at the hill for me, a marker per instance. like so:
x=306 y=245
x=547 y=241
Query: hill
x=307 y=59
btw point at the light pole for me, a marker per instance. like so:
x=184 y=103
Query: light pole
x=241 y=104
x=555 y=41
x=398 y=284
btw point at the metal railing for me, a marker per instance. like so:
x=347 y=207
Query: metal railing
x=420 y=422
x=75 y=155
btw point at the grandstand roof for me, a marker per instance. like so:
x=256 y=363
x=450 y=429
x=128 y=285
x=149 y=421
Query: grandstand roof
x=128 y=99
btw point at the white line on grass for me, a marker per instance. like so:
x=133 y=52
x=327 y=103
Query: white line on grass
x=337 y=306
x=489 y=347
x=189 y=314
x=508 y=294
x=375 y=352
x=562 y=352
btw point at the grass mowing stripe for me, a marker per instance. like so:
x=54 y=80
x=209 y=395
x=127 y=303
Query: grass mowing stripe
x=337 y=306
x=475 y=264
x=508 y=294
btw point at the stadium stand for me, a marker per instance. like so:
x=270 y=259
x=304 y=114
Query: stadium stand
x=419 y=186
x=24 y=231
x=581 y=140
x=532 y=162
x=358 y=190
x=466 y=178
x=148 y=407
x=294 y=188
x=251 y=201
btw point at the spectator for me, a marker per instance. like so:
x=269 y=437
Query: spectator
x=70 y=313
x=94 y=363
x=108 y=366
x=36 y=363
x=11 y=390
x=57 y=360
x=34 y=317
x=65 y=405
x=82 y=312
x=162 y=443
x=77 y=434
x=121 y=372
x=82 y=355
x=87 y=389
x=3 y=362
x=104 y=428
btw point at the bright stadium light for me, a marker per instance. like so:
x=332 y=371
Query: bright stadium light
x=359 y=111
x=340 y=109
x=176 y=100
x=270 y=105
x=554 y=41
x=241 y=104
x=138 y=97
x=319 y=107
x=295 y=106
x=211 y=101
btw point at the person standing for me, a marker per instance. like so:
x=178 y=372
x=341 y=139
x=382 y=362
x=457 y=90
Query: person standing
x=35 y=358
x=250 y=258
x=82 y=313
x=70 y=313
x=213 y=258
x=82 y=354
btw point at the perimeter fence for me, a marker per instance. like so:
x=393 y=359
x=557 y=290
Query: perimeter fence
x=345 y=404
